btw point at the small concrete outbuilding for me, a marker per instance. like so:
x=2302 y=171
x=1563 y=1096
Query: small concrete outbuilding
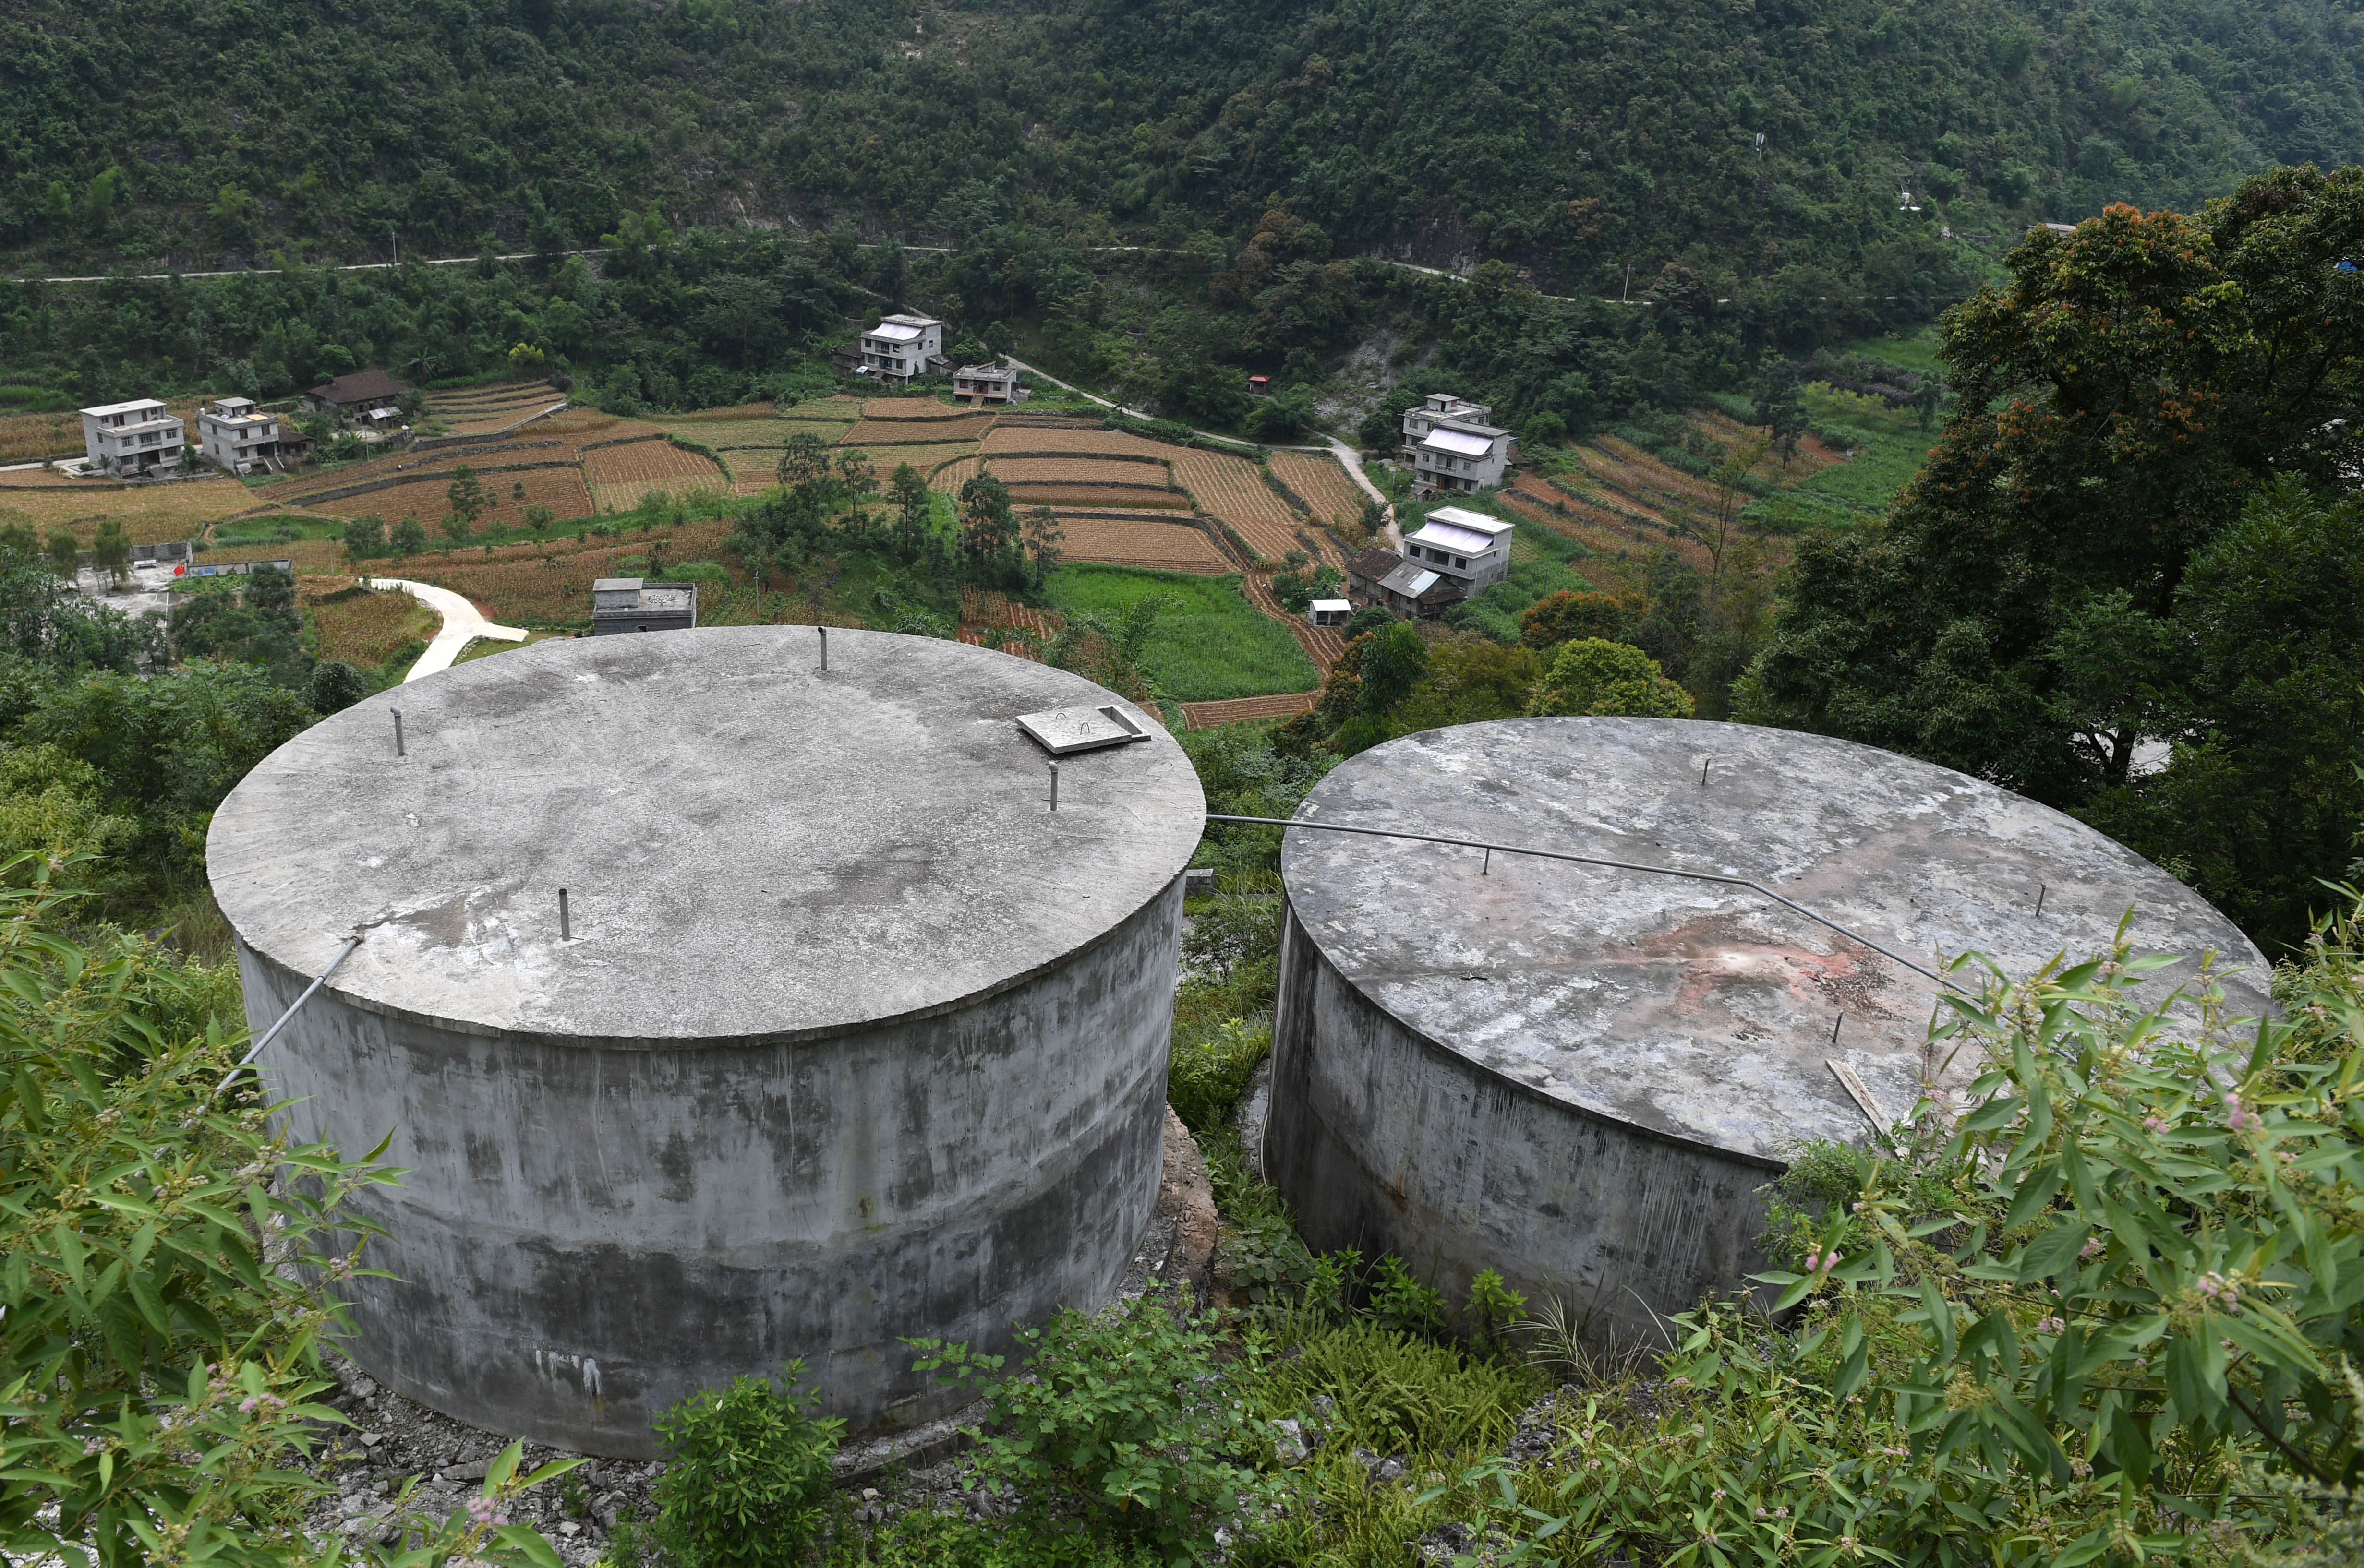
x=1581 y=1076
x=723 y=1008
x=633 y=604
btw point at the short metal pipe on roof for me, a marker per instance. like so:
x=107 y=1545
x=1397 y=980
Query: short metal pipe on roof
x=824 y=649
x=292 y=1008
x=565 y=926
x=397 y=734
x=1054 y=786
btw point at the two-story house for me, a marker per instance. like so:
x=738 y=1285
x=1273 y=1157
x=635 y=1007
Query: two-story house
x=133 y=437
x=901 y=347
x=1453 y=448
x=988 y=383
x=234 y=437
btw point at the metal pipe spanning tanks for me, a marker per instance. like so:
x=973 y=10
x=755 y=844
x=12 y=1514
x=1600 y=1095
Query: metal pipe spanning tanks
x=726 y=1008
x=1581 y=1076
x=845 y=1036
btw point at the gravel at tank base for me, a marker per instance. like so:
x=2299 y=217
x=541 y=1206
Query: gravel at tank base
x=392 y=1439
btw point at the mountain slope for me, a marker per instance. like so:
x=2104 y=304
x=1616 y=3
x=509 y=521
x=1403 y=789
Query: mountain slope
x=1575 y=137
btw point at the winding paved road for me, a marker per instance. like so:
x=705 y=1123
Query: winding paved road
x=463 y=624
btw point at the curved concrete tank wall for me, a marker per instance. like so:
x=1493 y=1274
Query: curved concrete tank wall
x=1581 y=1077
x=854 y=1039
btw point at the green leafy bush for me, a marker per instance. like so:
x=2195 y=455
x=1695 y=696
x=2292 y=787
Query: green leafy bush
x=156 y=1364
x=1135 y=1409
x=2116 y=1308
x=747 y=1481
x=1204 y=1078
x=1395 y=1393
x=1401 y=1302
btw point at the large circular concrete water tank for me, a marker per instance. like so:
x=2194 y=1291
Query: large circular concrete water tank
x=854 y=1038
x=1581 y=1076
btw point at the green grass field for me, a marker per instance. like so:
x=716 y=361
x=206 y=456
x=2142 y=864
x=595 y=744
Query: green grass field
x=1209 y=643
x=1889 y=447
x=1915 y=353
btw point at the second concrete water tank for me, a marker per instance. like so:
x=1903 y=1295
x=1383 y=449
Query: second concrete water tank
x=1581 y=1076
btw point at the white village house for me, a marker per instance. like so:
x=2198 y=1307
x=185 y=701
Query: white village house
x=901 y=347
x=234 y=437
x=1471 y=548
x=1453 y=446
x=137 y=437
x=988 y=383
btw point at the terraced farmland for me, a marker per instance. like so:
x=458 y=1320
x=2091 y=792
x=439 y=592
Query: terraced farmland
x=559 y=488
x=1163 y=545
x=621 y=476
x=1008 y=439
x=548 y=585
x=1323 y=485
x=1232 y=489
x=913 y=432
x=150 y=514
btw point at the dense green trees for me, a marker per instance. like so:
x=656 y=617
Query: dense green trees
x=2071 y=573
x=1576 y=137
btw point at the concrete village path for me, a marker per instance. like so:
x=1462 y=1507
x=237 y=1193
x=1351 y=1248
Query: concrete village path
x=463 y=624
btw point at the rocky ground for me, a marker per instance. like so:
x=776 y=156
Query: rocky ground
x=394 y=1440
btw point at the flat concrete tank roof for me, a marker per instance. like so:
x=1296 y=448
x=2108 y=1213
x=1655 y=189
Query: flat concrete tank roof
x=1685 y=1010
x=751 y=849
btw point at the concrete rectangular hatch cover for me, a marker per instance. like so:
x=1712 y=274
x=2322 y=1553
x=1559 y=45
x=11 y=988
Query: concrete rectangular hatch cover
x=1064 y=730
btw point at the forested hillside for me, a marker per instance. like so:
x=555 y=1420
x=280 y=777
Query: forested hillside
x=1575 y=138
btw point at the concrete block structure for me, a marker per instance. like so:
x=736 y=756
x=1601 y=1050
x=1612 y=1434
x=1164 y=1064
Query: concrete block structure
x=840 y=1035
x=629 y=604
x=1453 y=446
x=1582 y=1077
x=126 y=441
x=902 y=347
x=235 y=438
x=988 y=383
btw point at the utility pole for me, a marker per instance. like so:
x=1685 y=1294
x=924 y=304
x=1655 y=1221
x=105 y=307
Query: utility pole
x=1628 y=287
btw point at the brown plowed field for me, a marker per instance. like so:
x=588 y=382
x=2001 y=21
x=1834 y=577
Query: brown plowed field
x=1083 y=439
x=898 y=432
x=1077 y=470
x=150 y=513
x=954 y=474
x=1240 y=710
x=736 y=411
x=913 y=408
x=621 y=476
x=1136 y=496
x=1231 y=488
x=1322 y=484
x=559 y=489
x=738 y=433
x=925 y=459
x=1167 y=547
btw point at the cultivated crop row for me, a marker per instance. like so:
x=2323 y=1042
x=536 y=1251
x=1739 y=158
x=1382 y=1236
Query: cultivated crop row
x=1231 y=488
